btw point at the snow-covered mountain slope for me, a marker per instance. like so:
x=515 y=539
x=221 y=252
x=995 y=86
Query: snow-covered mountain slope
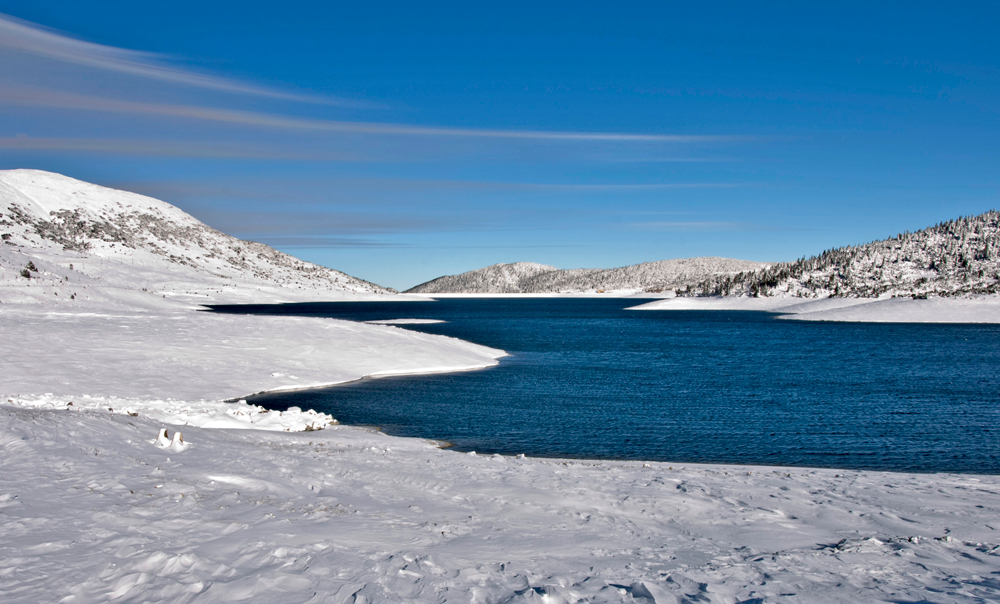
x=531 y=278
x=68 y=241
x=495 y=279
x=956 y=258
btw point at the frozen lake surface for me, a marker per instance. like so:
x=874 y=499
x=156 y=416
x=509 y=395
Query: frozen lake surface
x=588 y=379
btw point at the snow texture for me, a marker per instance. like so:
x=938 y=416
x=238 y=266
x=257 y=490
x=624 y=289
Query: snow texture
x=92 y=510
x=528 y=277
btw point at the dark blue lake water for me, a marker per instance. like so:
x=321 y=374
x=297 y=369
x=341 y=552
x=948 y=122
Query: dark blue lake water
x=588 y=379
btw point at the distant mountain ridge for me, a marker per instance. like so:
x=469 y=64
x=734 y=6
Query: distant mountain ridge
x=495 y=279
x=532 y=278
x=954 y=258
x=65 y=237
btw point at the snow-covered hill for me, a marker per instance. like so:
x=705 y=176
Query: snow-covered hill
x=496 y=279
x=68 y=241
x=531 y=278
x=956 y=258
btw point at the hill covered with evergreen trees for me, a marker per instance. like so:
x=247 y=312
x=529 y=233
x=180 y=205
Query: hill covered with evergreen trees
x=955 y=258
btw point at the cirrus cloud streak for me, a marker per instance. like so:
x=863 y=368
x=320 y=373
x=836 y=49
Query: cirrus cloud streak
x=165 y=148
x=40 y=97
x=29 y=38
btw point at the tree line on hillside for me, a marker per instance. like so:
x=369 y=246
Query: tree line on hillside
x=958 y=257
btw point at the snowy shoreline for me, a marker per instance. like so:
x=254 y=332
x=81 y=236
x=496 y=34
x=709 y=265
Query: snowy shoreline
x=91 y=508
x=288 y=506
x=629 y=293
x=978 y=309
x=969 y=309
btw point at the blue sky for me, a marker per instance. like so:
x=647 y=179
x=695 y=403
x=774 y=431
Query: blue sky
x=402 y=141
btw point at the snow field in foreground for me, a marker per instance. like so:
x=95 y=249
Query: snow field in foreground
x=92 y=510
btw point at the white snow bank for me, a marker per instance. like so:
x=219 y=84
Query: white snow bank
x=204 y=414
x=91 y=510
x=714 y=303
x=982 y=309
x=623 y=293
x=405 y=322
x=201 y=356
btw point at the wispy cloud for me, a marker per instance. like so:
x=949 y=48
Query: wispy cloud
x=24 y=38
x=693 y=226
x=165 y=148
x=666 y=160
x=326 y=242
x=346 y=242
x=36 y=97
x=546 y=246
x=598 y=187
x=284 y=222
x=29 y=38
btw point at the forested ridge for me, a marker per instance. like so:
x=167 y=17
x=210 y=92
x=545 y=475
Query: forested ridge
x=954 y=258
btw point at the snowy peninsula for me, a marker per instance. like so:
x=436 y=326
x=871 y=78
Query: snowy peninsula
x=103 y=350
